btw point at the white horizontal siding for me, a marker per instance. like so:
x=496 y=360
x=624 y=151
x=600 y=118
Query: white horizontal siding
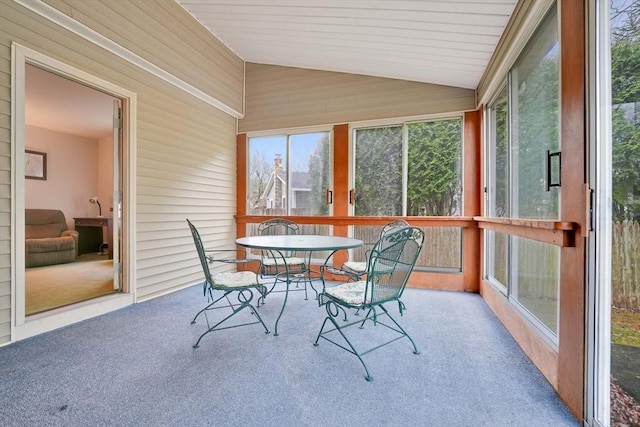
x=5 y=182
x=164 y=34
x=186 y=149
x=284 y=97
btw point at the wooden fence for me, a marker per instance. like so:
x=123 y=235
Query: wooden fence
x=625 y=268
x=442 y=247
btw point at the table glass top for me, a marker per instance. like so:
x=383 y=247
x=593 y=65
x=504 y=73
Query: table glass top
x=300 y=242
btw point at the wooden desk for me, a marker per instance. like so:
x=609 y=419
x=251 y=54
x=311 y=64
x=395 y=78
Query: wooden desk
x=91 y=234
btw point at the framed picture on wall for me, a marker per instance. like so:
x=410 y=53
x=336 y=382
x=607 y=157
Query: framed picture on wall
x=35 y=165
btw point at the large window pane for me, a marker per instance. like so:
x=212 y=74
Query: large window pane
x=310 y=173
x=499 y=157
x=534 y=279
x=496 y=244
x=429 y=183
x=289 y=174
x=497 y=258
x=434 y=174
x=378 y=171
x=534 y=124
x=522 y=126
x=267 y=157
x=625 y=250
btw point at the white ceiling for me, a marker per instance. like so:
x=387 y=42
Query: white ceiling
x=445 y=42
x=56 y=103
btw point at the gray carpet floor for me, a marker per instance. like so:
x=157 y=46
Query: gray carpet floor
x=137 y=367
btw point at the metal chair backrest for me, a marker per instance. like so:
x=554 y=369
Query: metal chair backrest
x=391 y=261
x=201 y=254
x=278 y=227
x=393 y=226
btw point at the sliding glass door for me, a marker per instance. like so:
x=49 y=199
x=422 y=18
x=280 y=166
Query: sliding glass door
x=614 y=247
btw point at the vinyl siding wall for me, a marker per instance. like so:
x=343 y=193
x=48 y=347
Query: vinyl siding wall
x=163 y=33
x=286 y=97
x=5 y=184
x=186 y=153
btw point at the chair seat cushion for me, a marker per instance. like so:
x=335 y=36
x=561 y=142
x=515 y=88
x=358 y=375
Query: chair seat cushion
x=356 y=267
x=351 y=293
x=238 y=279
x=290 y=261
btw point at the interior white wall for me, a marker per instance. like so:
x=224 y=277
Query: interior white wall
x=72 y=173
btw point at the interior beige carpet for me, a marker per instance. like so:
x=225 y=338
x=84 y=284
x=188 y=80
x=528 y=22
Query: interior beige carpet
x=55 y=286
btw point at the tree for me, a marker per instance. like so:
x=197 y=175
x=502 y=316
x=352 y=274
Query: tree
x=378 y=171
x=434 y=178
x=319 y=174
x=625 y=93
x=501 y=113
x=537 y=131
x=259 y=172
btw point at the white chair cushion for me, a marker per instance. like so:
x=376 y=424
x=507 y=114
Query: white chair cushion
x=239 y=279
x=356 y=267
x=351 y=293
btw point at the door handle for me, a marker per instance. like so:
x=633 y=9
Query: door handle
x=547 y=170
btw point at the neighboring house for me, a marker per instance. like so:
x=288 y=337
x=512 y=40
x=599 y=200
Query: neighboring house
x=275 y=194
x=301 y=193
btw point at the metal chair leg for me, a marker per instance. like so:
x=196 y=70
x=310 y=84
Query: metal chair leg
x=331 y=317
x=244 y=303
x=415 y=348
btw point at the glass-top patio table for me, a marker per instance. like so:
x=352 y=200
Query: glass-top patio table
x=297 y=243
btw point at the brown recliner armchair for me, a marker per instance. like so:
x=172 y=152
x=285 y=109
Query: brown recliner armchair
x=48 y=240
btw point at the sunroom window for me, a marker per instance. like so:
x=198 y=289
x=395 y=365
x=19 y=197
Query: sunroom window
x=410 y=169
x=289 y=174
x=523 y=178
x=498 y=188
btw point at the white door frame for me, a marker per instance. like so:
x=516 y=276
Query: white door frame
x=598 y=357
x=21 y=327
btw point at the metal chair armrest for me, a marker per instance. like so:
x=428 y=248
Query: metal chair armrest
x=229 y=256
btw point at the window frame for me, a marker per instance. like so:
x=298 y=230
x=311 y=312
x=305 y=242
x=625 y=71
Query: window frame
x=287 y=134
x=509 y=289
x=404 y=123
x=490 y=180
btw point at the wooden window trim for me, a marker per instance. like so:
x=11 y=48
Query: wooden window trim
x=418 y=221
x=557 y=233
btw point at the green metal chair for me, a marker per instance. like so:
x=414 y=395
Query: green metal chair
x=283 y=266
x=356 y=270
x=241 y=283
x=389 y=266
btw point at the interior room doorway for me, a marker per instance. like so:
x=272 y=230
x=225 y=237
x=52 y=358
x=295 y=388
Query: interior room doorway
x=53 y=162
x=72 y=171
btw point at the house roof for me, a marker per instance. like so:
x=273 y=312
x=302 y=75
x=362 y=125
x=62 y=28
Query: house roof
x=448 y=42
x=299 y=180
